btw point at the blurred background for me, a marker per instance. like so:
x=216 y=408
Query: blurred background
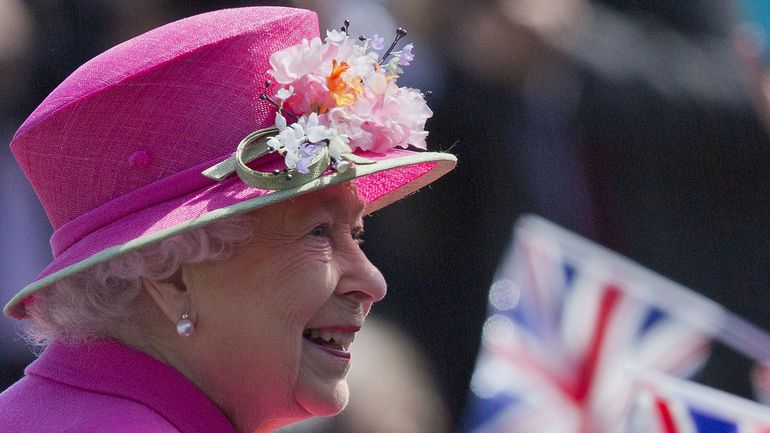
x=640 y=124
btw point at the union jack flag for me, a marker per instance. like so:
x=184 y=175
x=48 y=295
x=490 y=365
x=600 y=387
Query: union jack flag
x=668 y=405
x=565 y=318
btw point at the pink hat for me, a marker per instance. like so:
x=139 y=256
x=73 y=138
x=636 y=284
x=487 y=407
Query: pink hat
x=117 y=153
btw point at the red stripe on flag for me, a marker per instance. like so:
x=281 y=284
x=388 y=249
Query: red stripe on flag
x=665 y=417
x=534 y=281
x=532 y=366
x=609 y=301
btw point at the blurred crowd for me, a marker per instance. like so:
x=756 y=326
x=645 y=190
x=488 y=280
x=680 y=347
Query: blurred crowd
x=641 y=124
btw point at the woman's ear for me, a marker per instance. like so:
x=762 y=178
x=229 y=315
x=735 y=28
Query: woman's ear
x=171 y=295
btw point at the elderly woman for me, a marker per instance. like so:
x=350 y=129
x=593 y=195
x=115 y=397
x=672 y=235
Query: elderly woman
x=207 y=182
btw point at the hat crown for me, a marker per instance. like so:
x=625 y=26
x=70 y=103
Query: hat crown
x=154 y=106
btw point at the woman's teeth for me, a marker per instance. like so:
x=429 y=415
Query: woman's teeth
x=338 y=340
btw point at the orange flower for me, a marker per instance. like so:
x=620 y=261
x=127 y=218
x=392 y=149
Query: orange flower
x=344 y=93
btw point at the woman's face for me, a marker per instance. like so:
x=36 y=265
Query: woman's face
x=274 y=322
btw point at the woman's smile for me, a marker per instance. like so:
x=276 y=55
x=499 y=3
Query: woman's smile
x=333 y=340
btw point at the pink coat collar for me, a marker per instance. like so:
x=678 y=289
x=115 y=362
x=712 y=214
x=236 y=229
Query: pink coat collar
x=108 y=367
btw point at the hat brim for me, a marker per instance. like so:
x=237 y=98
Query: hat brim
x=393 y=176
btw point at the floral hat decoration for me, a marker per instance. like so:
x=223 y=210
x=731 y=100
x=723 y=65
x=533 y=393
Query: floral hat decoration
x=212 y=116
x=339 y=95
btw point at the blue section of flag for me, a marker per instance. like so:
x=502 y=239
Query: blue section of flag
x=654 y=316
x=569 y=273
x=482 y=410
x=709 y=423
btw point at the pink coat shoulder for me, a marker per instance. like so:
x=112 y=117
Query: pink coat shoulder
x=36 y=404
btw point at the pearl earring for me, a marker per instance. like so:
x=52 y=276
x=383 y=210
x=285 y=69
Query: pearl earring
x=184 y=327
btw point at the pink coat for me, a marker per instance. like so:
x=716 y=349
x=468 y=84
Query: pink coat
x=105 y=387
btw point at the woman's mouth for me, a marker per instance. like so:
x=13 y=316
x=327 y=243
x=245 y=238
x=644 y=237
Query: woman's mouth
x=335 y=342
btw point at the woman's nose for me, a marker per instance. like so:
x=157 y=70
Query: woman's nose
x=362 y=277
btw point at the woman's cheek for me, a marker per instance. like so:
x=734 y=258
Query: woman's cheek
x=318 y=250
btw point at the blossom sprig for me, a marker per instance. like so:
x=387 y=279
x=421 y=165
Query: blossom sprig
x=302 y=141
x=341 y=94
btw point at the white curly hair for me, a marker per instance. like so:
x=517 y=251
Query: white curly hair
x=90 y=303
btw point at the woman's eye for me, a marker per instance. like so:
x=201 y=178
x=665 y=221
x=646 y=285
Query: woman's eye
x=320 y=231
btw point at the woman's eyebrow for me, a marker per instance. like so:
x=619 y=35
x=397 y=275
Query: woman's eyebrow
x=344 y=206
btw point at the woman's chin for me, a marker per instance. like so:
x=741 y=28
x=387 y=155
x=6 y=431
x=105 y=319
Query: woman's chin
x=324 y=402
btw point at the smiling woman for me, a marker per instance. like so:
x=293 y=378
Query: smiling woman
x=215 y=286
x=296 y=294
